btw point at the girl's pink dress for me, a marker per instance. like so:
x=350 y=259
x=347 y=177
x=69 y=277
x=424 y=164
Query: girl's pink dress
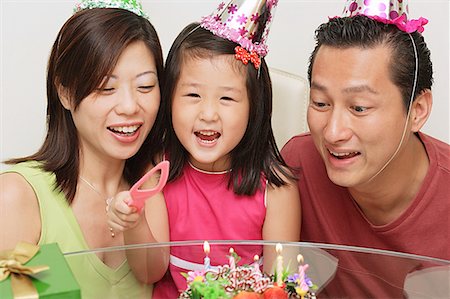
x=202 y=207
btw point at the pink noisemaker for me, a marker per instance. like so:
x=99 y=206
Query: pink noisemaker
x=239 y=21
x=385 y=11
x=139 y=196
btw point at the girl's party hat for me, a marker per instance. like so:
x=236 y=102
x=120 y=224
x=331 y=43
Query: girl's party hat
x=245 y=22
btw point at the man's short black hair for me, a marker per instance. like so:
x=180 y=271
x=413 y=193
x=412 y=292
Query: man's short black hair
x=363 y=32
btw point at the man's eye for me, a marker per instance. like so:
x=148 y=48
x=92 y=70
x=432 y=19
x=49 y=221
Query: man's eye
x=359 y=108
x=319 y=104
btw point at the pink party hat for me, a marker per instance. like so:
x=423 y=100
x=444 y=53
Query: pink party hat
x=240 y=20
x=385 y=11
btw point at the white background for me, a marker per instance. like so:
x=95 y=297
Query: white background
x=28 y=30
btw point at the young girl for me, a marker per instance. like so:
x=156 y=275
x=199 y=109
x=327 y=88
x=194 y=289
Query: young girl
x=103 y=132
x=227 y=179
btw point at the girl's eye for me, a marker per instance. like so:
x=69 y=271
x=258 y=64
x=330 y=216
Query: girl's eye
x=193 y=95
x=227 y=98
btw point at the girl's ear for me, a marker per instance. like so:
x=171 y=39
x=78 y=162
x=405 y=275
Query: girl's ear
x=421 y=109
x=64 y=98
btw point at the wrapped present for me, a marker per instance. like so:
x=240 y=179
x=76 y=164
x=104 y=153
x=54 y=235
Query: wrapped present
x=30 y=271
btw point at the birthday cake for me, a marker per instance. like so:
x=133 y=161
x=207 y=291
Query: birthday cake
x=248 y=282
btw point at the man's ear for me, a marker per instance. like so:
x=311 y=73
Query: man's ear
x=421 y=110
x=64 y=98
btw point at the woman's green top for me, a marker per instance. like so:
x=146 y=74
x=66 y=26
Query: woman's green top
x=59 y=225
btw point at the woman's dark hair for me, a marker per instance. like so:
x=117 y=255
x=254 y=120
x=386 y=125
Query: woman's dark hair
x=363 y=32
x=86 y=51
x=257 y=152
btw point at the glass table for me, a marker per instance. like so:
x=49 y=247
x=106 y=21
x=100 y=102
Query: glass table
x=337 y=271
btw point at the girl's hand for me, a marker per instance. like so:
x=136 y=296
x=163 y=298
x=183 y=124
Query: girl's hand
x=122 y=217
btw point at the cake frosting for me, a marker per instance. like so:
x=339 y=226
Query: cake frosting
x=248 y=281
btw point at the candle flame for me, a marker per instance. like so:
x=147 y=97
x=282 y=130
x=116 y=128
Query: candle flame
x=256 y=258
x=206 y=247
x=279 y=248
x=300 y=258
x=231 y=250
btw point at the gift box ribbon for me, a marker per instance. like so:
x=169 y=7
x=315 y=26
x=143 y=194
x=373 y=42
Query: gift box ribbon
x=12 y=262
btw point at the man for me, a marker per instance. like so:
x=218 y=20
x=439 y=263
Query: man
x=367 y=176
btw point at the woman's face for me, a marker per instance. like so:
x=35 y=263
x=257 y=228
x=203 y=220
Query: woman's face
x=114 y=121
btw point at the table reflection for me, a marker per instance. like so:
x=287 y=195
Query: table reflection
x=337 y=271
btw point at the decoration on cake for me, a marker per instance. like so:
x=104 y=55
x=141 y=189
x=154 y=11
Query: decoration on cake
x=230 y=281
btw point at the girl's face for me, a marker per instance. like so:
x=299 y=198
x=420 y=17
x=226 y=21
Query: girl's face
x=210 y=109
x=113 y=122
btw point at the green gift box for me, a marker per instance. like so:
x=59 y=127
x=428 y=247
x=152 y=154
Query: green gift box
x=56 y=282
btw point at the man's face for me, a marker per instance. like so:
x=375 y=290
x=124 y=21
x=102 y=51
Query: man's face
x=356 y=113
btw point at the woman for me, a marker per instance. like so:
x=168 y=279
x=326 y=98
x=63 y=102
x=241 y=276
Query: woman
x=103 y=133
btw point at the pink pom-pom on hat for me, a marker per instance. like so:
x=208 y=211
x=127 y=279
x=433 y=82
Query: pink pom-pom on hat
x=239 y=21
x=385 y=11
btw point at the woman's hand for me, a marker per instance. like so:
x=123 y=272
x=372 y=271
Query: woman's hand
x=122 y=217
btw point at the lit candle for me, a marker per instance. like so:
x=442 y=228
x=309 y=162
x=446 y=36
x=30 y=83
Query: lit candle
x=231 y=260
x=303 y=286
x=207 y=261
x=279 y=265
x=256 y=264
x=300 y=263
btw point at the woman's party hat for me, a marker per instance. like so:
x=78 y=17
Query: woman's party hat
x=131 y=5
